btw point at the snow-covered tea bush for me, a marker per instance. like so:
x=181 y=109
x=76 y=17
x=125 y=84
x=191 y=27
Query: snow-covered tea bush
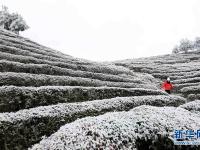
x=192 y=106
x=191 y=97
x=26 y=127
x=10 y=66
x=183 y=69
x=144 y=127
x=26 y=49
x=191 y=90
x=27 y=79
x=42 y=89
x=14 y=98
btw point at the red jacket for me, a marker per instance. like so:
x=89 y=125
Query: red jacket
x=167 y=86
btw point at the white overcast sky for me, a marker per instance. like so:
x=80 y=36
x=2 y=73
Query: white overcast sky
x=105 y=30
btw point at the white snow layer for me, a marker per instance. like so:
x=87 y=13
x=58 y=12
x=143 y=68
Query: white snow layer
x=112 y=129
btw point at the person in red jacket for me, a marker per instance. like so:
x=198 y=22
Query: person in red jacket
x=167 y=86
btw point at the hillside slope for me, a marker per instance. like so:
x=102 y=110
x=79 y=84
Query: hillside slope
x=42 y=89
x=183 y=69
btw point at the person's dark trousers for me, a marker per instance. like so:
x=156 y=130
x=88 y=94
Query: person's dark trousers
x=168 y=91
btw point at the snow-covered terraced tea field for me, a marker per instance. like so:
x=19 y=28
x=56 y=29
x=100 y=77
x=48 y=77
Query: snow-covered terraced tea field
x=50 y=100
x=183 y=69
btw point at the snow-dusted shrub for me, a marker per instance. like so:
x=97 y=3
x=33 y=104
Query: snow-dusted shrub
x=144 y=127
x=191 y=97
x=197 y=96
x=14 y=47
x=26 y=127
x=14 y=98
x=183 y=69
x=16 y=39
x=26 y=79
x=191 y=90
x=192 y=74
x=29 y=51
x=180 y=86
x=25 y=56
x=164 y=64
x=109 y=68
x=90 y=68
x=20 y=49
x=192 y=106
x=30 y=59
x=24 y=42
x=188 y=80
x=145 y=78
x=10 y=66
x=161 y=75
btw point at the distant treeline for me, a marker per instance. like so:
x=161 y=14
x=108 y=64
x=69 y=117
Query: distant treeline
x=186 y=46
